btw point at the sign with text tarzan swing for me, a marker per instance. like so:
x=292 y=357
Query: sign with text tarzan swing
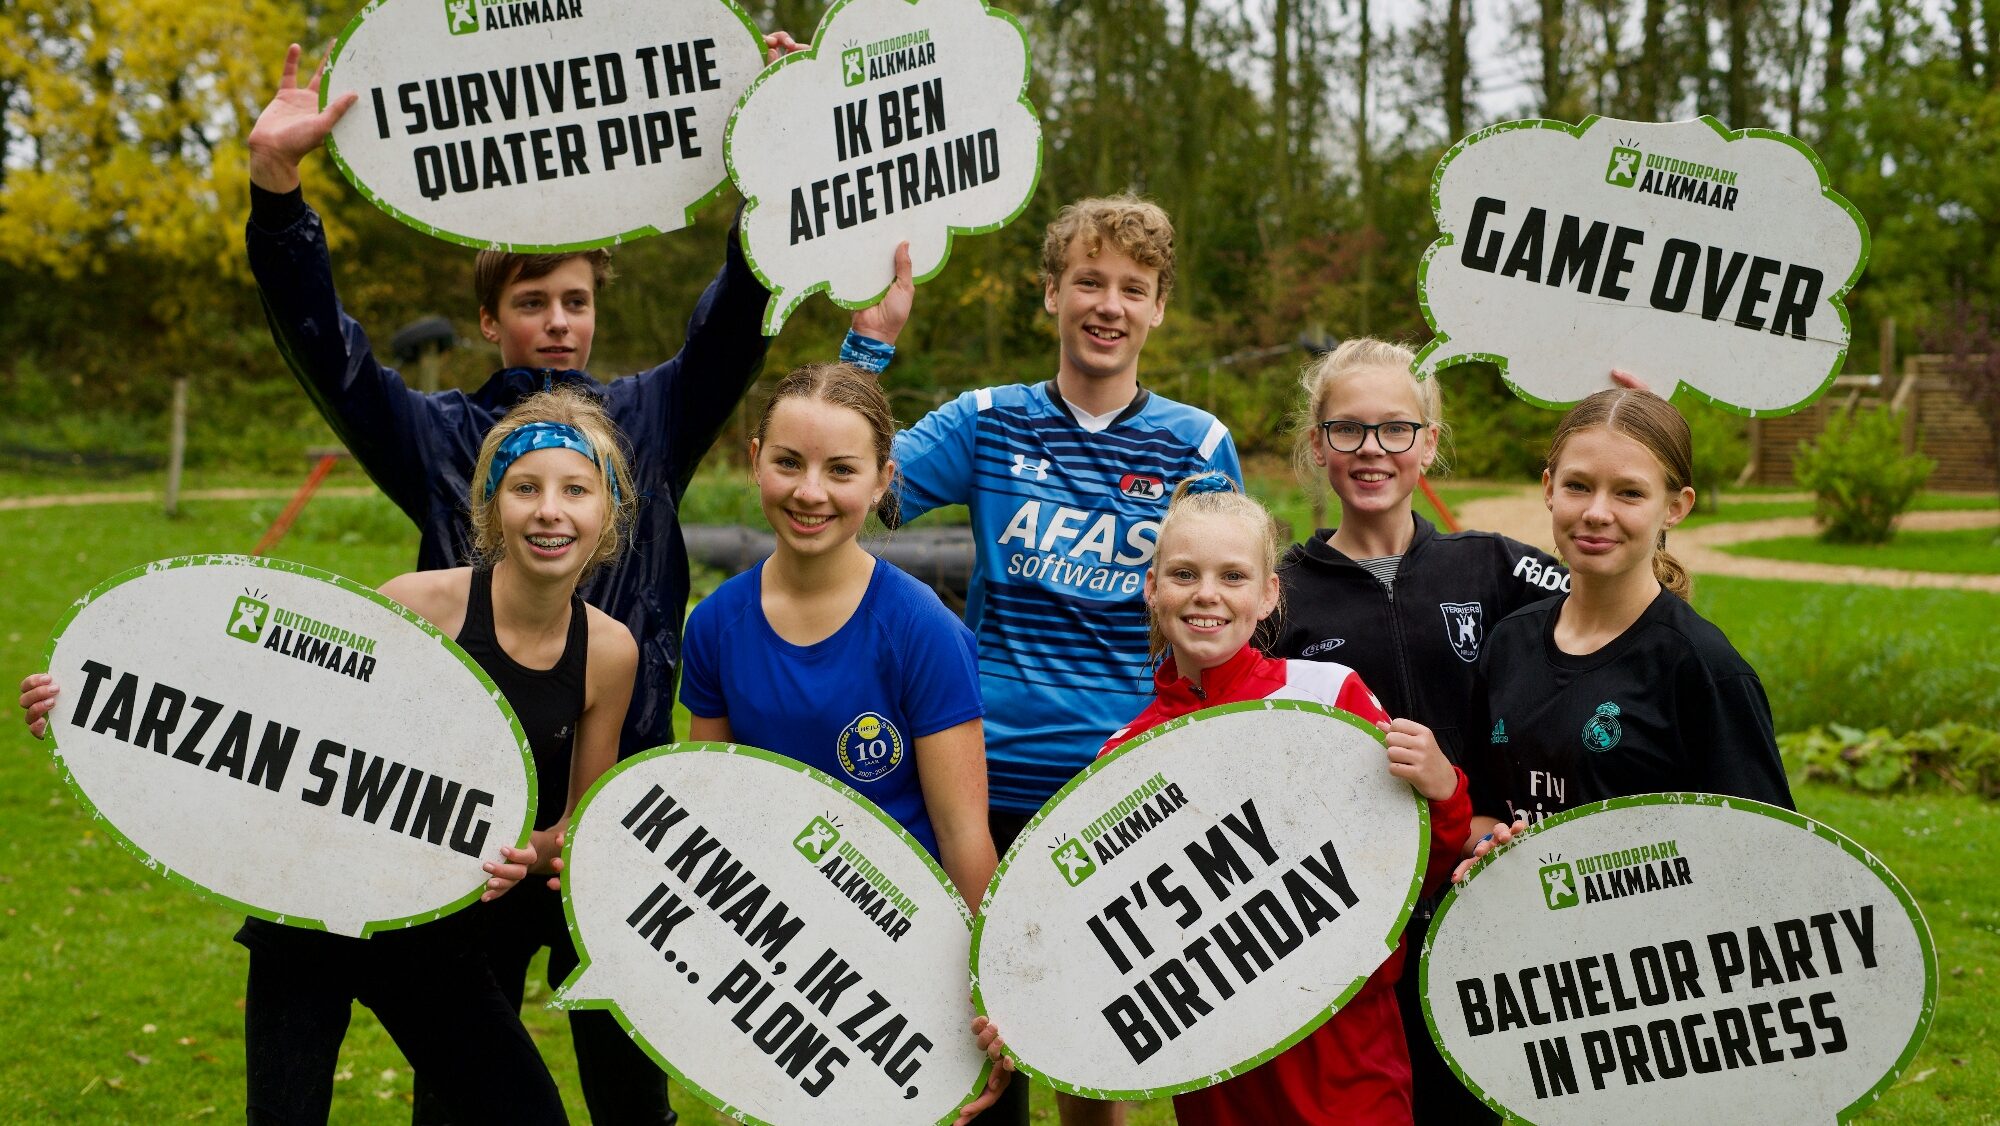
x=771 y=938
x=288 y=741
x=1678 y=958
x=540 y=125
x=1681 y=251
x=908 y=120
x=1199 y=900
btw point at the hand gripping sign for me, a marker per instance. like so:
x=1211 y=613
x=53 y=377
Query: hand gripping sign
x=1682 y=251
x=238 y=722
x=540 y=125
x=906 y=121
x=1199 y=900
x=1680 y=958
x=774 y=940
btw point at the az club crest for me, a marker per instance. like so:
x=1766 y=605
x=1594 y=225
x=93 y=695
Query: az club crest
x=1461 y=626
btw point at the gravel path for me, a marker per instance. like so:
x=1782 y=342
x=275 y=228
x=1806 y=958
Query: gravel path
x=1524 y=517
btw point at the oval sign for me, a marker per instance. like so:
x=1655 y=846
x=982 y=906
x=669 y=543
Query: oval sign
x=1199 y=900
x=238 y=721
x=772 y=939
x=540 y=125
x=1677 y=958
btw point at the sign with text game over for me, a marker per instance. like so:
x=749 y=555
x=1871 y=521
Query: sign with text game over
x=1199 y=900
x=907 y=120
x=1681 y=251
x=540 y=125
x=1678 y=958
x=772 y=939
x=251 y=727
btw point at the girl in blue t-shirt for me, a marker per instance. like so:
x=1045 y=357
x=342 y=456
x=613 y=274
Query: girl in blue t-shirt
x=830 y=656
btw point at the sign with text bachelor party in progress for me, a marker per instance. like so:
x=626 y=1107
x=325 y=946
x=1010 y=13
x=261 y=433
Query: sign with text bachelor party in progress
x=250 y=727
x=540 y=125
x=908 y=120
x=772 y=939
x=1199 y=900
x=1682 y=251
x=1680 y=958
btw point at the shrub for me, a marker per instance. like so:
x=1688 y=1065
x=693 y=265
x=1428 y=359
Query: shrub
x=1859 y=476
x=1960 y=756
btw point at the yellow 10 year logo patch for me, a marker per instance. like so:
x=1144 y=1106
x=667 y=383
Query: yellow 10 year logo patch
x=869 y=747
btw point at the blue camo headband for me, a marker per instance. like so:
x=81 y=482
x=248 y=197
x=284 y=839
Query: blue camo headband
x=545 y=436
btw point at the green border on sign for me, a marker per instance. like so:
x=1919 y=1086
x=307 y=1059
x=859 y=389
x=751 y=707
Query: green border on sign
x=333 y=148
x=374 y=926
x=774 y=317
x=1135 y=743
x=583 y=951
x=1446 y=239
x=1776 y=813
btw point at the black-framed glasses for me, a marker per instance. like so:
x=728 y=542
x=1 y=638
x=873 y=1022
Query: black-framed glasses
x=1346 y=436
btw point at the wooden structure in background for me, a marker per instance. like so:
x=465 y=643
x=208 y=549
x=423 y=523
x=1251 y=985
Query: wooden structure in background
x=1936 y=422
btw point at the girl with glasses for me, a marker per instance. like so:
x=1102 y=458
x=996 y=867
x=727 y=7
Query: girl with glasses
x=1387 y=595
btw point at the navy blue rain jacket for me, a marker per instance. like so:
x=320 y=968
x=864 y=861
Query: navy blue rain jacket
x=420 y=448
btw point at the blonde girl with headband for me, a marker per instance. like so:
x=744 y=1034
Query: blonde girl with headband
x=548 y=507
x=827 y=655
x=1213 y=580
x=1619 y=687
x=1403 y=604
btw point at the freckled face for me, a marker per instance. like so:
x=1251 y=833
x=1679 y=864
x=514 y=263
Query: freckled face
x=1209 y=587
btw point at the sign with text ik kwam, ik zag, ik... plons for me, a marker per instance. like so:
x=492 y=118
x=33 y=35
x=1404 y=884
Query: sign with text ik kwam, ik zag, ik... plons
x=772 y=939
x=905 y=121
x=540 y=125
x=1683 y=252
x=251 y=727
x=1199 y=900
x=1678 y=958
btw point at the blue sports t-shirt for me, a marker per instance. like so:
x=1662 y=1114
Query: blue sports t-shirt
x=1065 y=523
x=902 y=667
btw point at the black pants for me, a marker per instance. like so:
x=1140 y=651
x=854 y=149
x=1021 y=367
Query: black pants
x=1438 y=1098
x=622 y=1086
x=431 y=991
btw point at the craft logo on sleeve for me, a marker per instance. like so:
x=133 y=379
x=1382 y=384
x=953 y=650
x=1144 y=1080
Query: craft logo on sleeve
x=1602 y=731
x=817 y=837
x=869 y=747
x=1624 y=168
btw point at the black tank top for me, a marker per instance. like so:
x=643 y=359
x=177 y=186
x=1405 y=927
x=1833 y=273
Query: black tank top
x=549 y=701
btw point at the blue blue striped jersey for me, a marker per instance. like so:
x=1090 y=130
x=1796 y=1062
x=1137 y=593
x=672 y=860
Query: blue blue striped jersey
x=1065 y=523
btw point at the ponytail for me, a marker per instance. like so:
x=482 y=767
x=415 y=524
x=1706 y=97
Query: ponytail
x=1669 y=571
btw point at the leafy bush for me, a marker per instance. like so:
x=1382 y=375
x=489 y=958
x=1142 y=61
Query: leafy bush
x=1859 y=476
x=1960 y=756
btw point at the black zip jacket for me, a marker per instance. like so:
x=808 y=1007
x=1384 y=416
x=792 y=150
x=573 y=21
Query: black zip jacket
x=419 y=449
x=1416 y=647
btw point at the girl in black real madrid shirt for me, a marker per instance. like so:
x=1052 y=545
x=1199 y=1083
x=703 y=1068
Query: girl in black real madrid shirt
x=1619 y=687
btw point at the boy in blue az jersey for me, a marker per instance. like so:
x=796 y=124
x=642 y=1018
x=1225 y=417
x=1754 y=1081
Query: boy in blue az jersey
x=1067 y=481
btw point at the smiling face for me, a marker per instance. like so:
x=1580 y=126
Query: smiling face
x=1209 y=586
x=1609 y=502
x=1104 y=306
x=545 y=322
x=1370 y=481
x=816 y=473
x=552 y=509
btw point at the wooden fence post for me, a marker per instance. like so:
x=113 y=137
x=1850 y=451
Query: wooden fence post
x=177 y=445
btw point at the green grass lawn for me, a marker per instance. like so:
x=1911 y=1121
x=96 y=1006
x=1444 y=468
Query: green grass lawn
x=122 y=994
x=1965 y=551
x=1739 y=507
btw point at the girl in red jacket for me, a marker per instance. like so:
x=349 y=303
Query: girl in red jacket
x=1213 y=579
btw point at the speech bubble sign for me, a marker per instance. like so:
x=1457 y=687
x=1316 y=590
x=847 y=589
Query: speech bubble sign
x=1679 y=958
x=905 y=121
x=237 y=722
x=1683 y=251
x=1199 y=900
x=540 y=125
x=772 y=939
